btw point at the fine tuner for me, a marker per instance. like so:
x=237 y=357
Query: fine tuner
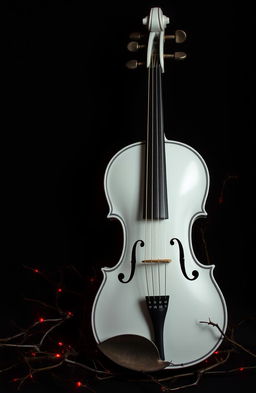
x=134 y=46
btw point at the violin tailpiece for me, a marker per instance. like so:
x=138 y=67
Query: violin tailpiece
x=157 y=307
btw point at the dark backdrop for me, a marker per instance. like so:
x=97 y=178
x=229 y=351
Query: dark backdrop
x=69 y=104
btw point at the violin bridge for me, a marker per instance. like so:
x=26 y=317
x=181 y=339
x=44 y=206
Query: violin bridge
x=156 y=261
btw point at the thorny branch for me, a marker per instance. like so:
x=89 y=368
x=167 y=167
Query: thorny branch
x=233 y=342
x=30 y=358
x=33 y=344
x=105 y=374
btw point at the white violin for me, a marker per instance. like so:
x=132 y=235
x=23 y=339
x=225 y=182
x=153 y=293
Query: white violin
x=158 y=291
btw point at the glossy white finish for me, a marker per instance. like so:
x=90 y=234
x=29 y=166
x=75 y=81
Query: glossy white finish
x=156 y=22
x=120 y=308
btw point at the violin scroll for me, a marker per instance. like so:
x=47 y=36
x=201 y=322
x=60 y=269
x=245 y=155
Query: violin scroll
x=156 y=23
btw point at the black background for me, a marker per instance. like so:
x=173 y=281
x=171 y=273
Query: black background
x=69 y=104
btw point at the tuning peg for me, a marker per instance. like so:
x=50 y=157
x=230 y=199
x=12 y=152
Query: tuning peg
x=179 y=36
x=136 y=36
x=177 y=56
x=134 y=46
x=133 y=64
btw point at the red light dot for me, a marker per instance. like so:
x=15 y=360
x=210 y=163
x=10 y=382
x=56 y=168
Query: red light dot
x=70 y=314
x=57 y=355
x=221 y=200
x=241 y=369
x=78 y=384
x=59 y=290
x=216 y=352
x=60 y=343
x=41 y=319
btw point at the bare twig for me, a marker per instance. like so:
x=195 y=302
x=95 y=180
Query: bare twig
x=39 y=359
x=228 y=338
x=86 y=367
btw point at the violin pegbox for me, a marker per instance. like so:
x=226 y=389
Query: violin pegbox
x=156 y=23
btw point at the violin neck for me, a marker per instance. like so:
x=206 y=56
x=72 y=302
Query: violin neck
x=155 y=202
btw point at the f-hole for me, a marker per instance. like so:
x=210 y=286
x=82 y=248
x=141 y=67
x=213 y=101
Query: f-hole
x=195 y=273
x=133 y=263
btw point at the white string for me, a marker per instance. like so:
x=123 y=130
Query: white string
x=157 y=173
x=152 y=169
x=153 y=242
x=146 y=183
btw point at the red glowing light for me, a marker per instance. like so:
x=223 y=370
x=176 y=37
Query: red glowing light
x=57 y=355
x=41 y=319
x=36 y=270
x=59 y=290
x=241 y=369
x=70 y=314
x=217 y=352
x=60 y=343
x=221 y=200
x=78 y=384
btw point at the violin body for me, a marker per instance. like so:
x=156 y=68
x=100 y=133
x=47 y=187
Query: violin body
x=120 y=307
x=158 y=291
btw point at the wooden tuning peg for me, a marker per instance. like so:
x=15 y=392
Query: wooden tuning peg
x=134 y=46
x=136 y=36
x=133 y=64
x=176 y=56
x=179 y=36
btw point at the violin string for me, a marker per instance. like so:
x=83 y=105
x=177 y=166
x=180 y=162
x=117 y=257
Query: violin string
x=154 y=242
x=146 y=186
x=157 y=167
x=162 y=166
x=152 y=172
x=165 y=279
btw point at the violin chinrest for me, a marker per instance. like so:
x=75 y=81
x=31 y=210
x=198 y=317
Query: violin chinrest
x=133 y=352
